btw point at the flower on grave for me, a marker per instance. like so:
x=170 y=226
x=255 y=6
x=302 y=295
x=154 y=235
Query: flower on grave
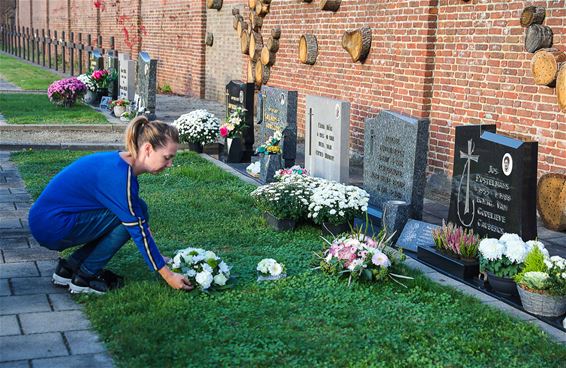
x=504 y=257
x=456 y=240
x=271 y=145
x=234 y=125
x=198 y=127
x=543 y=274
x=101 y=78
x=87 y=80
x=294 y=170
x=204 y=268
x=119 y=102
x=360 y=257
x=270 y=267
x=65 y=92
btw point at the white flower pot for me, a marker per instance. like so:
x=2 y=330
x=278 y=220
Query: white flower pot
x=119 y=110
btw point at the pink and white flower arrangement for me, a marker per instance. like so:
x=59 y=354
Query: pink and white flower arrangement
x=204 y=268
x=65 y=92
x=101 y=78
x=87 y=80
x=294 y=170
x=198 y=127
x=361 y=257
x=234 y=124
x=270 y=269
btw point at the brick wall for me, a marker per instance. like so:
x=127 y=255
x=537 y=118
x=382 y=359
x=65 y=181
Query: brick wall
x=223 y=59
x=453 y=61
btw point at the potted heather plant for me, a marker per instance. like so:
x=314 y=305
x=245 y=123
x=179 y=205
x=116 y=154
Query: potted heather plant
x=455 y=251
x=542 y=283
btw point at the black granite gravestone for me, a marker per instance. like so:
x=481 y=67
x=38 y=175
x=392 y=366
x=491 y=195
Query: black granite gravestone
x=494 y=183
x=279 y=112
x=240 y=94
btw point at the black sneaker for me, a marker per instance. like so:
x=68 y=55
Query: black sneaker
x=63 y=273
x=113 y=280
x=94 y=284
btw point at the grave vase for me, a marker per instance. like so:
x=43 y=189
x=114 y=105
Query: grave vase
x=269 y=164
x=502 y=285
x=119 y=110
x=90 y=97
x=195 y=147
x=331 y=229
x=234 y=150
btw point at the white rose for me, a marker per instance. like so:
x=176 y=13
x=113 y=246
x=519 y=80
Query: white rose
x=204 y=279
x=209 y=255
x=220 y=279
x=206 y=267
x=275 y=269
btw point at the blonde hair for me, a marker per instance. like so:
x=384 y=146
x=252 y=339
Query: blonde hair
x=157 y=133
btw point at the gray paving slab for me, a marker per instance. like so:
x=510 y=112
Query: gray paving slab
x=47 y=267
x=63 y=302
x=4 y=288
x=13 y=243
x=35 y=285
x=10 y=223
x=17 y=364
x=4 y=191
x=32 y=346
x=7 y=206
x=84 y=342
x=14 y=197
x=29 y=255
x=53 y=321
x=24 y=304
x=74 y=361
x=18 y=269
x=9 y=326
x=22 y=205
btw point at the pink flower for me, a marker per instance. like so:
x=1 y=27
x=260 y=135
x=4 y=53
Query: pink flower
x=223 y=131
x=371 y=243
x=380 y=259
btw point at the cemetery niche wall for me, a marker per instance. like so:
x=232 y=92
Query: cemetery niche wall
x=494 y=183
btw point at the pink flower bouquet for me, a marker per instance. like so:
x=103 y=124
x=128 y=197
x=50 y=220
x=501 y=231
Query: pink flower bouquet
x=65 y=92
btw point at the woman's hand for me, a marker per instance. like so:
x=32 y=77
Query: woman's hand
x=175 y=280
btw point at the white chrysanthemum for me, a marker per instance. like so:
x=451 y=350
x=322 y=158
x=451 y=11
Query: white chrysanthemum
x=516 y=251
x=507 y=237
x=220 y=279
x=275 y=269
x=204 y=279
x=491 y=249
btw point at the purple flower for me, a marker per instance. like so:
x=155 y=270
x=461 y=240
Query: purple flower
x=66 y=91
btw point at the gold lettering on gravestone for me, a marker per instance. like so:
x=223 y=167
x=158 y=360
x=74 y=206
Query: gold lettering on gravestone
x=232 y=106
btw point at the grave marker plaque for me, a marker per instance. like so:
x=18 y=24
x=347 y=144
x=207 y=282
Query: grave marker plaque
x=494 y=183
x=395 y=159
x=327 y=134
x=127 y=77
x=146 y=84
x=416 y=234
x=279 y=113
x=240 y=94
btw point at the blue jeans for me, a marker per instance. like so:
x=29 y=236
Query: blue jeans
x=102 y=234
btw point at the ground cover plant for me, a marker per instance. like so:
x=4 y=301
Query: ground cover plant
x=24 y=75
x=306 y=319
x=20 y=108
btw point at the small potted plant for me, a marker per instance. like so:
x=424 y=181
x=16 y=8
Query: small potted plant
x=65 y=92
x=542 y=283
x=269 y=269
x=502 y=259
x=282 y=203
x=270 y=157
x=197 y=128
x=119 y=106
x=455 y=251
x=232 y=131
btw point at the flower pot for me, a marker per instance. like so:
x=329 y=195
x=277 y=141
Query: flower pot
x=195 y=147
x=90 y=97
x=329 y=228
x=270 y=277
x=213 y=149
x=234 y=150
x=269 y=164
x=542 y=304
x=119 y=110
x=502 y=285
x=460 y=268
x=279 y=224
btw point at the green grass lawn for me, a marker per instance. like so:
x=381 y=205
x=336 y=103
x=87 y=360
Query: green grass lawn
x=20 y=108
x=24 y=75
x=305 y=320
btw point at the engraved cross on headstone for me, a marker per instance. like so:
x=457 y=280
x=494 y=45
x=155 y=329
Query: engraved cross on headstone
x=469 y=157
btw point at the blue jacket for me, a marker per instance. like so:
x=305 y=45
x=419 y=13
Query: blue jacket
x=97 y=181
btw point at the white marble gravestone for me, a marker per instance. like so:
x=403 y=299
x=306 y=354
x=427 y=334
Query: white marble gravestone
x=127 y=88
x=327 y=128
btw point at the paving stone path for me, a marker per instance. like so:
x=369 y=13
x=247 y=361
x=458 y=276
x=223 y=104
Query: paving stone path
x=40 y=324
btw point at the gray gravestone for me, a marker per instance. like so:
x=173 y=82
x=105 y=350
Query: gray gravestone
x=395 y=159
x=279 y=112
x=111 y=63
x=127 y=77
x=96 y=60
x=416 y=234
x=146 y=85
x=327 y=132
